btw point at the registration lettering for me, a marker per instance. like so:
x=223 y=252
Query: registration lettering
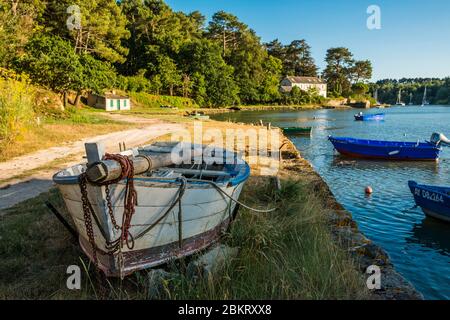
x=432 y=196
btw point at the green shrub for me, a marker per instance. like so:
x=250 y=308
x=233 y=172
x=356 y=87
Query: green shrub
x=156 y=101
x=16 y=109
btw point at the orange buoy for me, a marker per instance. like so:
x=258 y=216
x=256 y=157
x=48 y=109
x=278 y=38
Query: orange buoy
x=369 y=190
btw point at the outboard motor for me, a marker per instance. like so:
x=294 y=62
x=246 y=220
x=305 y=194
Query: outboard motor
x=440 y=139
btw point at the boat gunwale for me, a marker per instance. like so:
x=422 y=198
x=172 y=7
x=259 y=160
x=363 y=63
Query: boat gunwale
x=387 y=144
x=242 y=169
x=435 y=189
x=427 y=205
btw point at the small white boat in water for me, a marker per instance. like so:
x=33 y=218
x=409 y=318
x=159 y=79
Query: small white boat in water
x=424 y=100
x=399 y=99
x=177 y=209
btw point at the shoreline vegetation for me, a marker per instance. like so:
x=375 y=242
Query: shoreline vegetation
x=34 y=118
x=310 y=248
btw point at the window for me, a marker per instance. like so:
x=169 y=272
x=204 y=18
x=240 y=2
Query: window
x=111 y=103
x=118 y=104
x=124 y=103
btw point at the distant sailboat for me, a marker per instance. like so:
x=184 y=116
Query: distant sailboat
x=410 y=99
x=399 y=99
x=375 y=96
x=424 y=101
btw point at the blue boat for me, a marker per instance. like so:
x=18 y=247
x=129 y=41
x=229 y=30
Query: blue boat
x=386 y=150
x=369 y=117
x=434 y=201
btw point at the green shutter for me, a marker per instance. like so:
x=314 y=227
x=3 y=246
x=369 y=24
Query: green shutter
x=118 y=104
x=111 y=103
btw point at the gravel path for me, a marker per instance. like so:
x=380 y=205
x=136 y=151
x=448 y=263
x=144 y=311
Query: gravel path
x=20 y=190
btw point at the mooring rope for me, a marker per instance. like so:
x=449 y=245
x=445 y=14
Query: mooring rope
x=176 y=200
x=130 y=201
x=232 y=199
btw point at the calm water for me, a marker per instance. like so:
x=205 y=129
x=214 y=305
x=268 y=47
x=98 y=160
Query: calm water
x=419 y=246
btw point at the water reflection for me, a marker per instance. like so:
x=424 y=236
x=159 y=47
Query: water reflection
x=433 y=234
x=419 y=247
x=422 y=167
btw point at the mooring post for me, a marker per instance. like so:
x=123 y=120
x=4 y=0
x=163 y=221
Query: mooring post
x=94 y=152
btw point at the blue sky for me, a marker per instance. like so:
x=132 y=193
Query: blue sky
x=414 y=40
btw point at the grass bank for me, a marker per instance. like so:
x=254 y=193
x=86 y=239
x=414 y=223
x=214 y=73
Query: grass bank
x=287 y=254
x=48 y=132
x=33 y=118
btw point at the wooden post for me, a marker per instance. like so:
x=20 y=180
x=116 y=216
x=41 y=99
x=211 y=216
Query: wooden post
x=94 y=152
x=278 y=183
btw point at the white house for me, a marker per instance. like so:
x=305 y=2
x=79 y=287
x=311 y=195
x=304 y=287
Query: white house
x=109 y=102
x=305 y=84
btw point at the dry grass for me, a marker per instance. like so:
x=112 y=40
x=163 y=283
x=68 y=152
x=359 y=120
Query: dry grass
x=288 y=254
x=50 y=135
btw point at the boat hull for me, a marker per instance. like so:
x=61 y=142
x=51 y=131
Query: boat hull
x=369 y=117
x=297 y=131
x=384 y=150
x=205 y=214
x=434 y=201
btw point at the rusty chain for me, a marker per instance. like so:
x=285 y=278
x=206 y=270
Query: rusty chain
x=129 y=209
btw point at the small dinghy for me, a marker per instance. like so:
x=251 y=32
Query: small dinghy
x=387 y=150
x=369 y=117
x=434 y=201
x=199 y=116
x=140 y=209
x=297 y=130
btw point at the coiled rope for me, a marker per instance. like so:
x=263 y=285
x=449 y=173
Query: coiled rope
x=231 y=198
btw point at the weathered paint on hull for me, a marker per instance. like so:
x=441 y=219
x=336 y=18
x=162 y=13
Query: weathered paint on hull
x=205 y=212
x=148 y=258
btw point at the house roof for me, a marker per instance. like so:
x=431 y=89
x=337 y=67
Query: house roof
x=312 y=80
x=110 y=96
x=115 y=96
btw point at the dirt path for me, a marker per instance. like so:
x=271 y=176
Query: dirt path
x=21 y=189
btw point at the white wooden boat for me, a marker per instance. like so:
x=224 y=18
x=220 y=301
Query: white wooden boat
x=180 y=210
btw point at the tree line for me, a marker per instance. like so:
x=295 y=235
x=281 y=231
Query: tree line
x=412 y=90
x=145 y=46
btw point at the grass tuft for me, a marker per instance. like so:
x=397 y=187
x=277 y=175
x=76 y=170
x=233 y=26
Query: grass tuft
x=288 y=254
